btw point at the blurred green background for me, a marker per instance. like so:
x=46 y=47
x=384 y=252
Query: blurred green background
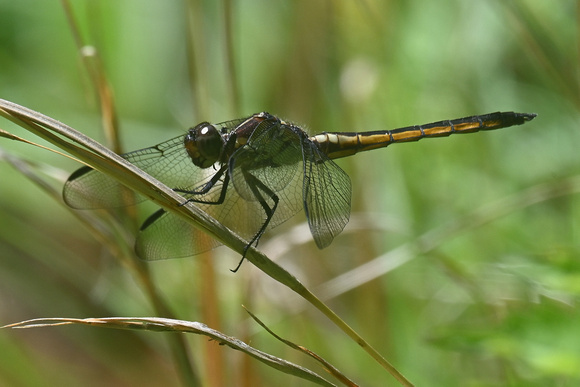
x=473 y=239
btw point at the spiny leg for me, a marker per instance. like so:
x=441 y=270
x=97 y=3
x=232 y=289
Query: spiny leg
x=255 y=186
x=207 y=187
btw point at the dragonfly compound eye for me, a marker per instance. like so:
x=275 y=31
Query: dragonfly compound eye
x=203 y=144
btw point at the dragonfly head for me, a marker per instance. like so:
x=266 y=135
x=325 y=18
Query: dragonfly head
x=204 y=144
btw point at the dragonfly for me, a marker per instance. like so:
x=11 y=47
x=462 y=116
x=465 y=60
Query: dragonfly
x=252 y=174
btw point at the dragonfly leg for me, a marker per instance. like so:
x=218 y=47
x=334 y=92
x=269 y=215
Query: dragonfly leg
x=256 y=186
x=207 y=187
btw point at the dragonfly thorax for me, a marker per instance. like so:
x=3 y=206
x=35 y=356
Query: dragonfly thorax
x=204 y=144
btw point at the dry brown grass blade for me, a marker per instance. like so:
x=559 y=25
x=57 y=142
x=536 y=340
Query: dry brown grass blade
x=329 y=367
x=157 y=324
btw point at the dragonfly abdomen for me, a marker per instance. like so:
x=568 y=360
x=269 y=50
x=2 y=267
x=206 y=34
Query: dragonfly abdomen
x=336 y=145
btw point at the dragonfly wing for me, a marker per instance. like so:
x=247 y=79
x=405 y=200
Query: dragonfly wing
x=169 y=162
x=165 y=235
x=273 y=157
x=87 y=188
x=326 y=194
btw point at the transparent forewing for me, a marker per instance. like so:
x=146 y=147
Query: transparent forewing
x=326 y=193
x=166 y=235
x=168 y=162
x=87 y=188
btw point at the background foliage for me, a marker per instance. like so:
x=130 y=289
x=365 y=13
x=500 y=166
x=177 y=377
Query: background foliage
x=489 y=296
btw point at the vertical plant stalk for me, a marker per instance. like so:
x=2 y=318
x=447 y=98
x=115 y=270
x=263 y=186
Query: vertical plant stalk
x=93 y=66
